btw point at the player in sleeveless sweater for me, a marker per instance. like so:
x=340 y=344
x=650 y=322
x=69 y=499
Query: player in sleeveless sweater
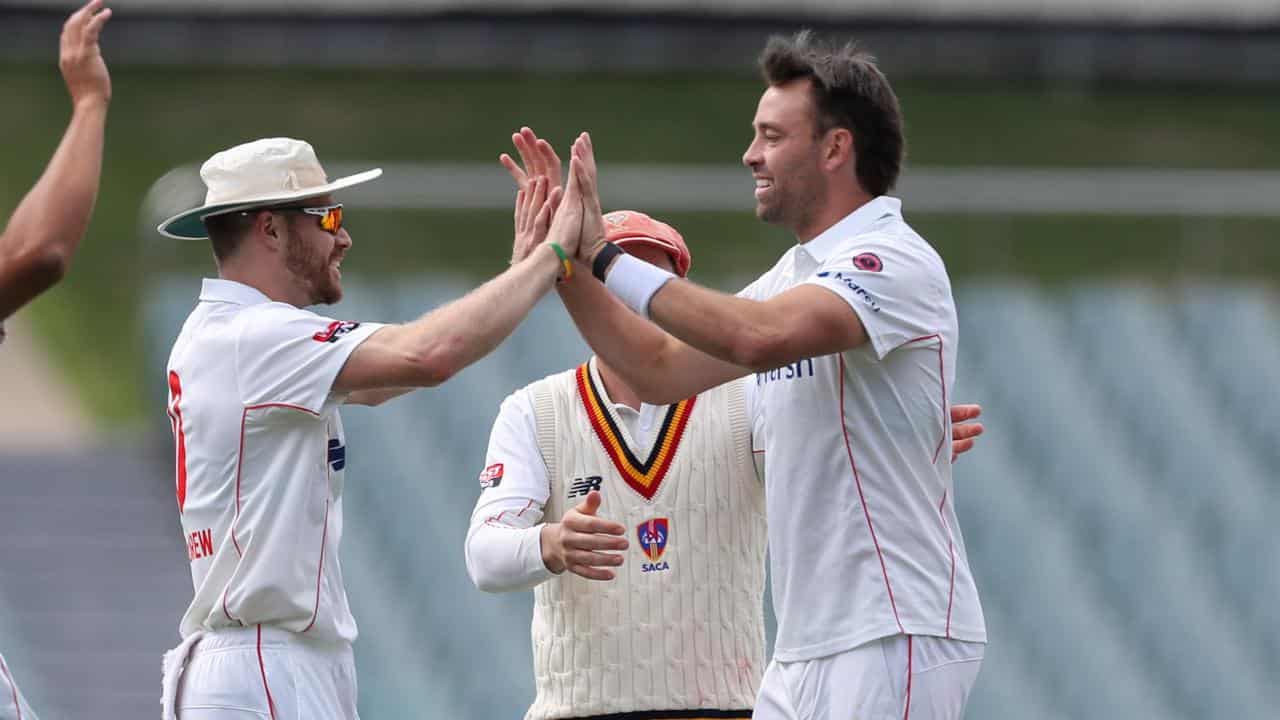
x=853 y=338
x=255 y=385
x=678 y=630
x=40 y=239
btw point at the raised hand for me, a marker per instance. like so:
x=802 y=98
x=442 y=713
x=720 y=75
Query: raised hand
x=578 y=543
x=566 y=227
x=537 y=159
x=582 y=167
x=964 y=429
x=535 y=206
x=80 y=58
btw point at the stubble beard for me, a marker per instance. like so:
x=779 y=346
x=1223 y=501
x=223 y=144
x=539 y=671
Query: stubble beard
x=312 y=271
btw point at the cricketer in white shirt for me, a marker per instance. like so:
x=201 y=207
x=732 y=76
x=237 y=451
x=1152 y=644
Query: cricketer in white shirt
x=868 y=565
x=857 y=443
x=260 y=461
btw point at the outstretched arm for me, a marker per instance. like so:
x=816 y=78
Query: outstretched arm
x=41 y=237
x=436 y=346
x=431 y=349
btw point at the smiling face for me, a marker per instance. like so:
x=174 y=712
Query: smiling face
x=785 y=157
x=313 y=255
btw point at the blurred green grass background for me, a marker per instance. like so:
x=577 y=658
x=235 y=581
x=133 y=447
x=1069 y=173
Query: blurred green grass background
x=162 y=117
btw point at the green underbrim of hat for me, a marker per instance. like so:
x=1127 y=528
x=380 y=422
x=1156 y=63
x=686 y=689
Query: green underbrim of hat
x=190 y=225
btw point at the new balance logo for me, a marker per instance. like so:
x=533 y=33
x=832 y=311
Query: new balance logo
x=579 y=487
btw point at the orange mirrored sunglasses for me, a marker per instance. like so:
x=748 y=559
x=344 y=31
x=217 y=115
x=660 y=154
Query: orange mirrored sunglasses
x=330 y=216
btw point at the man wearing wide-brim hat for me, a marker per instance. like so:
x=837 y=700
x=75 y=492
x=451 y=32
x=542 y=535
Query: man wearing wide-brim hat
x=255 y=381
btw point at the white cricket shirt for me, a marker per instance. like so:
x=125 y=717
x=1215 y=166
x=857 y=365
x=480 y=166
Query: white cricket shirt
x=863 y=539
x=260 y=456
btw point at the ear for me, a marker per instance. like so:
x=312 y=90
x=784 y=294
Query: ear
x=837 y=150
x=268 y=229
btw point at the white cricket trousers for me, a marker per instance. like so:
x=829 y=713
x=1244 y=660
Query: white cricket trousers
x=12 y=705
x=261 y=673
x=900 y=677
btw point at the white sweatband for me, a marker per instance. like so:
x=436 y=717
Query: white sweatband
x=635 y=282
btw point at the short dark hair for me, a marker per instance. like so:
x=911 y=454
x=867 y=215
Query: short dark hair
x=849 y=91
x=227 y=231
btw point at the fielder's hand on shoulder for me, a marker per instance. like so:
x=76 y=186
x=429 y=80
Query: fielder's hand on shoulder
x=578 y=542
x=80 y=58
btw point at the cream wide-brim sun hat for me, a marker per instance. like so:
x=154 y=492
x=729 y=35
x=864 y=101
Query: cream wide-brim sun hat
x=259 y=173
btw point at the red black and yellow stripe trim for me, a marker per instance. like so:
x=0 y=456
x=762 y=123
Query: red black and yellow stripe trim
x=646 y=477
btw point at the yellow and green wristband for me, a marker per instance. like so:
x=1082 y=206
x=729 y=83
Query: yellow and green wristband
x=564 y=260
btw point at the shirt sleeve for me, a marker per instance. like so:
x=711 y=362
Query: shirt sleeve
x=897 y=291
x=504 y=542
x=292 y=356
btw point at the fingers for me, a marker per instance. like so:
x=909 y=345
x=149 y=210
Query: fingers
x=966 y=431
x=78 y=18
x=85 y=24
x=528 y=158
x=517 y=174
x=551 y=161
x=94 y=28
x=537 y=164
x=591 y=503
x=539 y=195
x=543 y=220
x=592 y=541
x=960 y=447
x=586 y=173
x=591 y=573
x=519 y=211
x=962 y=413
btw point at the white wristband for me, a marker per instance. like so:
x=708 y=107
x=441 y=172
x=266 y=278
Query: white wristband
x=635 y=282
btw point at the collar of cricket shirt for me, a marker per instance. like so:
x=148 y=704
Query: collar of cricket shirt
x=230 y=291
x=821 y=247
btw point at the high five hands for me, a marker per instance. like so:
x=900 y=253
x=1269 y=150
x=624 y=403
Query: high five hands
x=538 y=190
x=545 y=210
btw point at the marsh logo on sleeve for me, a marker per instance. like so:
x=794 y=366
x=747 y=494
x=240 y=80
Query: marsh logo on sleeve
x=336 y=329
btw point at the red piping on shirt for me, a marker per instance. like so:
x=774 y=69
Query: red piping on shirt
x=324 y=536
x=244 y=418
x=942 y=377
x=951 y=548
x=13 y=688
x=271 y=704
x=865 y=510
x=907 y=712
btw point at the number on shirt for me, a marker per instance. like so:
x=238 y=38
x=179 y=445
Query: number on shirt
x=180 y=437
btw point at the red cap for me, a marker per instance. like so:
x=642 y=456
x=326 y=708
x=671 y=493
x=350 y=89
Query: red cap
x=626 y=227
